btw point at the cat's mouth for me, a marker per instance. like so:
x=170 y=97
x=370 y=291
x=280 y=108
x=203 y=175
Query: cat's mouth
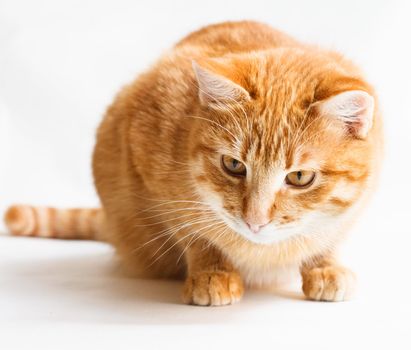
x=270 y=234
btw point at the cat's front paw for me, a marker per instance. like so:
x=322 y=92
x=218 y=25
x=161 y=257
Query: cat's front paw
x=213 y=288
x=331 y=283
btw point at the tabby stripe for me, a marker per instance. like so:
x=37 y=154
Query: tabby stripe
x=42 y=220
x=28 y=221
x=52 y=222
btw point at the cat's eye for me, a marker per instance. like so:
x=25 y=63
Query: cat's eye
x=233 y=166
x=301 y=178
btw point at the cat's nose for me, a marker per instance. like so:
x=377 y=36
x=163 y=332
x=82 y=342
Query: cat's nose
x=255 y=227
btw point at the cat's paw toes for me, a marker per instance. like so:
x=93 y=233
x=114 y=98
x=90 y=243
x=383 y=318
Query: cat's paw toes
x=213 y=288
x=331 y=283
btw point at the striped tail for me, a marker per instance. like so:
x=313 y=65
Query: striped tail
x=25 y=220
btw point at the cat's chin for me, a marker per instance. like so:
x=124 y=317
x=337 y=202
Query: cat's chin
x=264 y=239
x=260 y=239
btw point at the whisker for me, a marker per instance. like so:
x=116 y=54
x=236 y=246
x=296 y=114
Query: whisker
x=167 y=211
x=191 y=242
x=165 y=232
x=168 y=220
x=179 y=240
x=178 y=230
x=222 y=233
x=173 y=202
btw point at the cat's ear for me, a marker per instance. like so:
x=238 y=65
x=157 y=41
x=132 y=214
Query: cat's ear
x=355 y=108
x=216 y=90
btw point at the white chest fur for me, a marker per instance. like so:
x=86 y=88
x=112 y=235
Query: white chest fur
x=269 y=277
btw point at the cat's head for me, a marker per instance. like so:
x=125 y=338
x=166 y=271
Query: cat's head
x=283 y=142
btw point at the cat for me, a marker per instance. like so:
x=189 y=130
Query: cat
x=241 y=152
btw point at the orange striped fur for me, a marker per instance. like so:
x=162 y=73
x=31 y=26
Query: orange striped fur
x=46 y=222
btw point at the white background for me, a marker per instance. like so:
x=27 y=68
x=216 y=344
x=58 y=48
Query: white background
x=61 y=62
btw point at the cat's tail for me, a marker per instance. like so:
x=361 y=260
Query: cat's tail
x=25 y=220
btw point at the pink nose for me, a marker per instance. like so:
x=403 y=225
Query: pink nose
x=255 y=228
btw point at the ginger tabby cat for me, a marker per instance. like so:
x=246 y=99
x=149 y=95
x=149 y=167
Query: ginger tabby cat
x=240 y=153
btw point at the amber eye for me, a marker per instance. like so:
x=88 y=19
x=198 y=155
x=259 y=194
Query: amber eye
x=301 y=178
x=233 y=166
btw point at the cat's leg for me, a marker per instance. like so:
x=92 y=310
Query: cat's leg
x=211 y=279
x=325 y=280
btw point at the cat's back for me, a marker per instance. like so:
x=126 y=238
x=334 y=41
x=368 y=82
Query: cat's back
x=236 y=37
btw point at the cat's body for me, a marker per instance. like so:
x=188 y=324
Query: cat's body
x=258 y=96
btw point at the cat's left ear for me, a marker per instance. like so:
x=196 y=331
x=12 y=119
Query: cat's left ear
x=355 y=108
x=216 y=90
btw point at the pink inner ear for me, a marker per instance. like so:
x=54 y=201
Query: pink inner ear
x=355 y=108
x=215 y=89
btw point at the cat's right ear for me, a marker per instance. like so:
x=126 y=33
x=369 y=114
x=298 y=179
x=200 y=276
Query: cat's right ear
x=215 y=90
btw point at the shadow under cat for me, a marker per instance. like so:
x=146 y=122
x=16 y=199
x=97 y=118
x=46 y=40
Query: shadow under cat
x=85 y=286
